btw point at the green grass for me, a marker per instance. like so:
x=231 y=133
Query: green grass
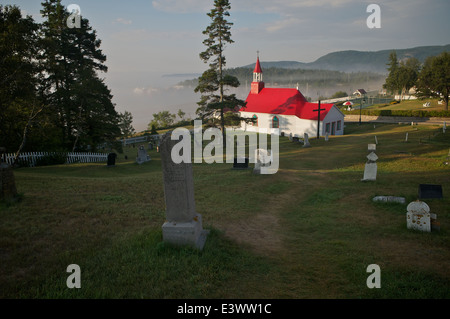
x=309 y=231
x=411 y=105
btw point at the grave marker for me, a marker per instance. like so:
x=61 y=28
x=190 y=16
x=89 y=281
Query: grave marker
x=370 y=169
x=418 y=216
x=240 y=163
x=306 y=140
x=263 y=158
x=112 y=159
x=142 y=156
x=430 y=191
x=183 y=224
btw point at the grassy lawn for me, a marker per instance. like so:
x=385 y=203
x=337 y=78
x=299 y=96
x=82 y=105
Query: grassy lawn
x=410 y=105
x=309 y=231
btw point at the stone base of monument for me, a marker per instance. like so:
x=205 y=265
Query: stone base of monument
x=186 y=234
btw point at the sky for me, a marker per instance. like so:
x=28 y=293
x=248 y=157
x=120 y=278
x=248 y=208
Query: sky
x=147 y=40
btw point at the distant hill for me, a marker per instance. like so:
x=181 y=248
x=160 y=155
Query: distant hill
x=356 y=61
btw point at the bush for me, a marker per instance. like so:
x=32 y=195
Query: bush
x=52 y=159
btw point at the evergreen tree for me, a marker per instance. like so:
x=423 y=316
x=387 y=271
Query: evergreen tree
x=72 y=59
x=392 y=80
x=126 y=124
x=19 y=103
x=213 y=82
x=434 y=78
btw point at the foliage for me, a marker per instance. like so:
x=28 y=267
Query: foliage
x=52 y=96
x=213 y=82
x=402 y=75
x=162 y=119
x=434 y=79
x=52 y=159
x=125 y=124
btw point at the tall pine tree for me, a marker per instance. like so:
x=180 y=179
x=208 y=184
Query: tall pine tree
x=72 y=59
x=19 y=104
x=213 y=82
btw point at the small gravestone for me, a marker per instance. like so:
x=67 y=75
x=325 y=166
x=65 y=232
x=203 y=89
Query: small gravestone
x=389 y=199
x=240 y=163
x=444 y=128
x=263 y=158
x=430 y=191
x=290 y=137
x=183 y=224
x=8 y=189
x=406 y=137
x=150 y=146
x=418 y=216
x=112 y=159
x=435 y=225
x=306 y=140
x=326 y=137
x=142 y=156
x=370 y=169
x=376 y=140
x=371 y=147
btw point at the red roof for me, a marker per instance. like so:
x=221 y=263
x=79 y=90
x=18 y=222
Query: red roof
x=284 y=102
x=257 y=67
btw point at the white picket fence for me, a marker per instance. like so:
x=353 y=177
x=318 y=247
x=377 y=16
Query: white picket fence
x=30 y=158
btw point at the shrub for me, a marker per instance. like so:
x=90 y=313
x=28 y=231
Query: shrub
x=52 y=159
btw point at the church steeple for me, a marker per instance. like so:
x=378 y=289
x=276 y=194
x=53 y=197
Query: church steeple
x=257 y=84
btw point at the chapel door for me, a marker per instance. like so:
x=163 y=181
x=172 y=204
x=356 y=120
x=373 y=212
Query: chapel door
x=333 y=128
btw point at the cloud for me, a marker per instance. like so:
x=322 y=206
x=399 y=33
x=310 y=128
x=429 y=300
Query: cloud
x=182 y=6
x=146 y=91
x=123 y=21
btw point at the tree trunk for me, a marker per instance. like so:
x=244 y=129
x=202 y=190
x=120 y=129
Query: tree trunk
x=25 y=131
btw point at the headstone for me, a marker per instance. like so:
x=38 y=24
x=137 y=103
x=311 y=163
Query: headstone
x=430 y=191
x=376 y=140
x=290 y=137
x=389 y=199
x=263 y=158
x=406 y=137
x=435 y=225
x=370 y=169
x=444 y=128
x=240 y=163
x=183 y=224
x=418 y=216
x=326 y=137
x=372 y=147
x=150 y=146
x=306 y=140
x=8 y=190
x=112 y=159
x=142 y=156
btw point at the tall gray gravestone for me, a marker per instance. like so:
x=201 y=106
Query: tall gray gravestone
x=370 y=169
x=263 y=158
x=183 y=224
x=306 y=140
x=142 y=155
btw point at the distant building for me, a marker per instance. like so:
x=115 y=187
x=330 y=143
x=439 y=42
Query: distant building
x=288 y=110
x=360 y=92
